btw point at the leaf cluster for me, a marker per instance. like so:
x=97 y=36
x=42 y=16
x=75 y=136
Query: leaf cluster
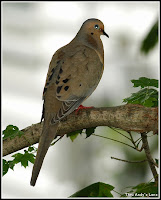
x=11 y=132
x=149 y=189
x=147 y=96
x=22 y=158
x=88 y=131
x=100 y=189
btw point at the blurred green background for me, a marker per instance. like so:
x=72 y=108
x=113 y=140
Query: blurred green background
x=31 y=33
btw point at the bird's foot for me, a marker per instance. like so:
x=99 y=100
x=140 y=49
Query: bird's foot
x=81 y=107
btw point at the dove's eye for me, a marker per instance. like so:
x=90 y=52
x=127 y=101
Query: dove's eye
x=96 y=26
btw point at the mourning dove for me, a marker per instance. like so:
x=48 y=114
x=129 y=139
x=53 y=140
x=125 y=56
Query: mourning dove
x=74 y=73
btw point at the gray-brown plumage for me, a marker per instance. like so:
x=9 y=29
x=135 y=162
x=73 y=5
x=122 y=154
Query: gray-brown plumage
x=74 y=72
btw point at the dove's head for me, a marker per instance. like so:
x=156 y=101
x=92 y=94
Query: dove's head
x=89 y=35
x=93 y=27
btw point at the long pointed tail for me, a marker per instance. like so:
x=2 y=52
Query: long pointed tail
x=48 y=134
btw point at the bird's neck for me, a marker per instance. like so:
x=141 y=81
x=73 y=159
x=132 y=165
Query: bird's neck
x=92 y=42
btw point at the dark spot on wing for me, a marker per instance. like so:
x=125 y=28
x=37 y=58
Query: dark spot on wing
x=66 y=88
x=58 y=89
x=50 y=77
x=53 y=70
x=57 y=82
x=60 y=71
x=58 y=77
x=51 y=74
x=65 y=80
x=80 y=85
x=92 y=33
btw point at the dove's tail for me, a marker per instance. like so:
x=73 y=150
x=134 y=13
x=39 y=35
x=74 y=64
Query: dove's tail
x=48 y=134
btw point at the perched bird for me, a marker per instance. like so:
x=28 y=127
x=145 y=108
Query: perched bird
x=74 y=73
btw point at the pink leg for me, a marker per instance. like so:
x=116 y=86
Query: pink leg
x=81 y=107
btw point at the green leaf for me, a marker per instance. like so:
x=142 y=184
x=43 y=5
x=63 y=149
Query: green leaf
x=145 y=82
x=11 y=164
x=5 y=167
x=73 y=135
x=89 y=131
x=11 y=132
x=17 y=157
x=146 y=97
x=24 y=158
x=29 y=157
x=145 y=190
x=150 y=40
x=151 y=102
x=149 y=189
x=30 y=149
x=98 y=189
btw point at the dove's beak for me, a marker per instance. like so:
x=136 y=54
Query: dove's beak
x=104 y=33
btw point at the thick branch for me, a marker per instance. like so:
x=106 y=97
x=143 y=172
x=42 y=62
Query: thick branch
x=130 y=117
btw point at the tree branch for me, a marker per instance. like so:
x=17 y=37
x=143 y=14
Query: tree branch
x=149 y=157
x=129 y=161
x=129 y=117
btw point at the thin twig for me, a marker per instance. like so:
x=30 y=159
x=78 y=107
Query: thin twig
x=142 y=147
x=141 y=138
x=117 y=192
x=149 y=157
x=132 y=140
x=140 y=161
x=120 y=133
x=138 y=139
x=56 y=140
x=113 y=140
